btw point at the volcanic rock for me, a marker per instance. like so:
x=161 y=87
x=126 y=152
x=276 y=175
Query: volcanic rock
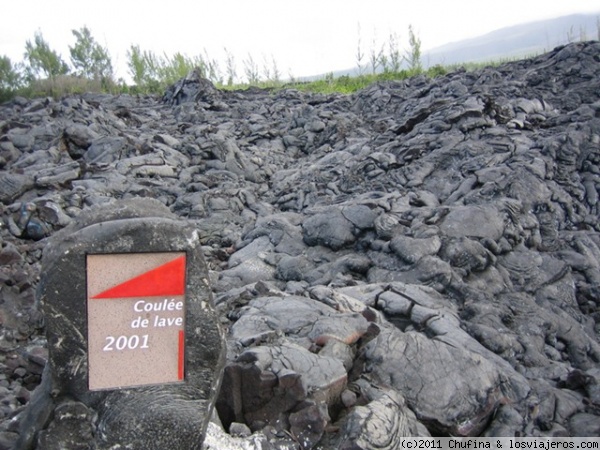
x=420 y=257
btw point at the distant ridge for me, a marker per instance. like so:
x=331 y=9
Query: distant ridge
x=516 y=41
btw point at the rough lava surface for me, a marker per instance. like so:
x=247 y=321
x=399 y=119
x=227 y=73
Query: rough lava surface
x=419 y=258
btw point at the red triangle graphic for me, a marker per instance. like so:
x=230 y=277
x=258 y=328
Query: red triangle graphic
x=168 y=279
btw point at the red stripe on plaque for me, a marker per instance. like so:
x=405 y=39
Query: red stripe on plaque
x=181 y=355
x=168 y=279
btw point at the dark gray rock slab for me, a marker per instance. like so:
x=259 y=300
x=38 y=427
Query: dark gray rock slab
x=268 y=317
x=270 y=385
x=251 y=264
x=432 y=333
x=474 y=221
x=331 y=229
x=79 y=138
x=14 y=185
x=584 y=424
x=457 y=399
x=72 y=426
x=412 y=249
x=192 y=88
x=56 y=176
x=105 y=150
x=380 y=423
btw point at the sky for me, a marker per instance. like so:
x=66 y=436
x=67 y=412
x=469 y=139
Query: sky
x=307 y=37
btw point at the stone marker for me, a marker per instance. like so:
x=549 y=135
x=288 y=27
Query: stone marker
x=136 y=352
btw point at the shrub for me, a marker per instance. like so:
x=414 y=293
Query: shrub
x=62 y=85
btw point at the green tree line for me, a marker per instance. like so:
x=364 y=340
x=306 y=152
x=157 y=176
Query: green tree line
x=43 y=71
x=43 y=68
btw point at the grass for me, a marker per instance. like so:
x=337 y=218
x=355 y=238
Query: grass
x=153 y=73
x=472 y=66
x=346 y=84
x=69 y=85
x=62 y=85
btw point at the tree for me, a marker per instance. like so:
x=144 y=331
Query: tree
x=11 y=78
x=359 y=54
x=144 y=68
x=414 y=55
x=152 y=73
x=376 y=57
x=136 y=65
x=41 y=60
x=230 y=67
x=10 y=75
x=394 y=55
x=211 y=69
x=275 y=73
x=89 y=58
x=178 y=66
x=571 y=35
x=251 y=70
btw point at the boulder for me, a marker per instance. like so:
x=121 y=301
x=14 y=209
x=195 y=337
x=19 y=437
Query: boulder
x=112 y=408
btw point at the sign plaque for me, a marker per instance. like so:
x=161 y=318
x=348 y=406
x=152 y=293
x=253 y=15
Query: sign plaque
x=136 y=319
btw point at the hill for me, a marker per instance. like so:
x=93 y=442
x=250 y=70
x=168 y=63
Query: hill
x=518 y=41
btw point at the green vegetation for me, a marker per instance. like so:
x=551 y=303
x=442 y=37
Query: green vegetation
x=414 y=56
x=346 y=84
x=11 y=79
x=89 y=59
x=44 y=73
x=41 y=61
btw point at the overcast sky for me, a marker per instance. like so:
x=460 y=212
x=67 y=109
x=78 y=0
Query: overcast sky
x=305 y=37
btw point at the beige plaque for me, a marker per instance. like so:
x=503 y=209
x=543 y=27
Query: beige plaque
x=136 y=319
